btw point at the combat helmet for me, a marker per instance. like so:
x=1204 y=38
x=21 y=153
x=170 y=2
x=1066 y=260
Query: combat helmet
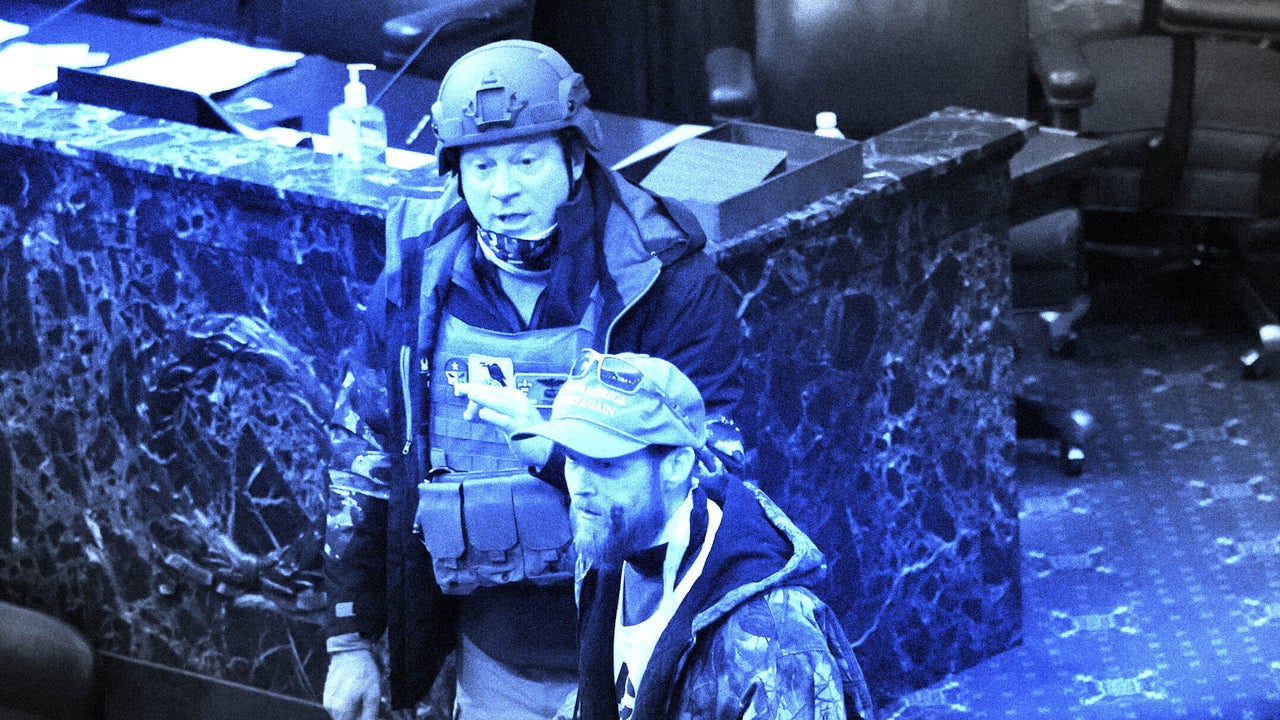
x=507 y=90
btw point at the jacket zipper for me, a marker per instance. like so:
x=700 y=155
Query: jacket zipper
x=608 y=335
x=681 y=662
x=406 y=360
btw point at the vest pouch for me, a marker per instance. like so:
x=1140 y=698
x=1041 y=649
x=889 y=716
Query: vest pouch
x=490 y=528
x=439 y=522
x=489 y=521
x=542 y=520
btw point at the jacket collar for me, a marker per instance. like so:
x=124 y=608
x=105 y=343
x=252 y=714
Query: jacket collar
x=765 y=552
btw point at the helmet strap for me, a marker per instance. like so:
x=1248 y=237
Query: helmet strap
x=575 y=157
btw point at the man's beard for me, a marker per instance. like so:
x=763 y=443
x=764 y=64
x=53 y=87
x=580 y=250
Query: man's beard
x=605 y=545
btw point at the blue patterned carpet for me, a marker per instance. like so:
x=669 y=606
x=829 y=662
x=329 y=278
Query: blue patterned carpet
x=1151 y=582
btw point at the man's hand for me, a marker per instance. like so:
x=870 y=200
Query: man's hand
x=353 y=686
x=510 y=411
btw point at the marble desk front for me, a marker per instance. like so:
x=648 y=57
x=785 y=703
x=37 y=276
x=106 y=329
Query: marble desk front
x=176 y=301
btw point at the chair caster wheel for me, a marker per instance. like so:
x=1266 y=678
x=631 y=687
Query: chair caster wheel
x=1063 y=348
x=1072 y=460
x=1253 y=366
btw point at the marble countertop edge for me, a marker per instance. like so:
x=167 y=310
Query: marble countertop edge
x=900 y=159
x=167 y=148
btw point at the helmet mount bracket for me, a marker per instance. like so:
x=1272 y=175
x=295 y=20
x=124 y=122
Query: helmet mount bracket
x=494 y=107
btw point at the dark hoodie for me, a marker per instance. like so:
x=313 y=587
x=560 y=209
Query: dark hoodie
x=750 y=639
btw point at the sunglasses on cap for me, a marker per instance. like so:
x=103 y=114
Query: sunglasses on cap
x=620 y=374
x=611 y=370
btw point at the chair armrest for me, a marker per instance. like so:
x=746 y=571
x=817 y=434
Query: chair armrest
x=406 y=31
x=1064 y=74
x=731 y=83
x=1255 y=19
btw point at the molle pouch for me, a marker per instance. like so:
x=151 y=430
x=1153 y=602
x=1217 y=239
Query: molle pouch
x=542 y=520
x=490 y=524
x=439 y=523
x=492 y=528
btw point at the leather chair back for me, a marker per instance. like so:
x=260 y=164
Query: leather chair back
x=881 y=63
x=353 y=31
x=1231 y=164
x=644 y=57
x=340 y=30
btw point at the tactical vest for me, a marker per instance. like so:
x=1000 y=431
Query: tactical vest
x=536 y=362
x=484 y=520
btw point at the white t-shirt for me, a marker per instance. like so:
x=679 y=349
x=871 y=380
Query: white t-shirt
x=633 y=644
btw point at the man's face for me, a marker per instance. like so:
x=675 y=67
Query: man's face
x=616 y=505
x=515 y=187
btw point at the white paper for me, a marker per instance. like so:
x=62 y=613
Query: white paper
x=26 y=66
x=204 y=65
x=9 y=30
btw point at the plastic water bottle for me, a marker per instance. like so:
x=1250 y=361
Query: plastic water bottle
x=826 y=121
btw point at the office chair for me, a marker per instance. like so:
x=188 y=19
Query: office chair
x=878 y=70
x=1190 y=105
x=1048 y=280
x=386 y=32
x=639 y=57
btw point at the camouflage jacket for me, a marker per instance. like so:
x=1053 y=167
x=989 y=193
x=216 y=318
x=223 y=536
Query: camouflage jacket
x=751 y=639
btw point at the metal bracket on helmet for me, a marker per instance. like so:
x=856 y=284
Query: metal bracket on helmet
x=494 y=105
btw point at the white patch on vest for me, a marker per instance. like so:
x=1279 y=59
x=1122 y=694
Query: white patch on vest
x=491 y=370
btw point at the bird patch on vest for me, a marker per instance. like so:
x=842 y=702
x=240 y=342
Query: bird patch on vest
x=540 y=387
x=491 y=370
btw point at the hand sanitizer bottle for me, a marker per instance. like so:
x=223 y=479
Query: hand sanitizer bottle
x=357 y=129
x=826 y=122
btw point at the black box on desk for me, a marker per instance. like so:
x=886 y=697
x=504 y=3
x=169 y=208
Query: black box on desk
x=739 y=175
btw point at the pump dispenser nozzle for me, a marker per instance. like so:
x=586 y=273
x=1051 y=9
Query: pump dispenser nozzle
x=354 y=93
